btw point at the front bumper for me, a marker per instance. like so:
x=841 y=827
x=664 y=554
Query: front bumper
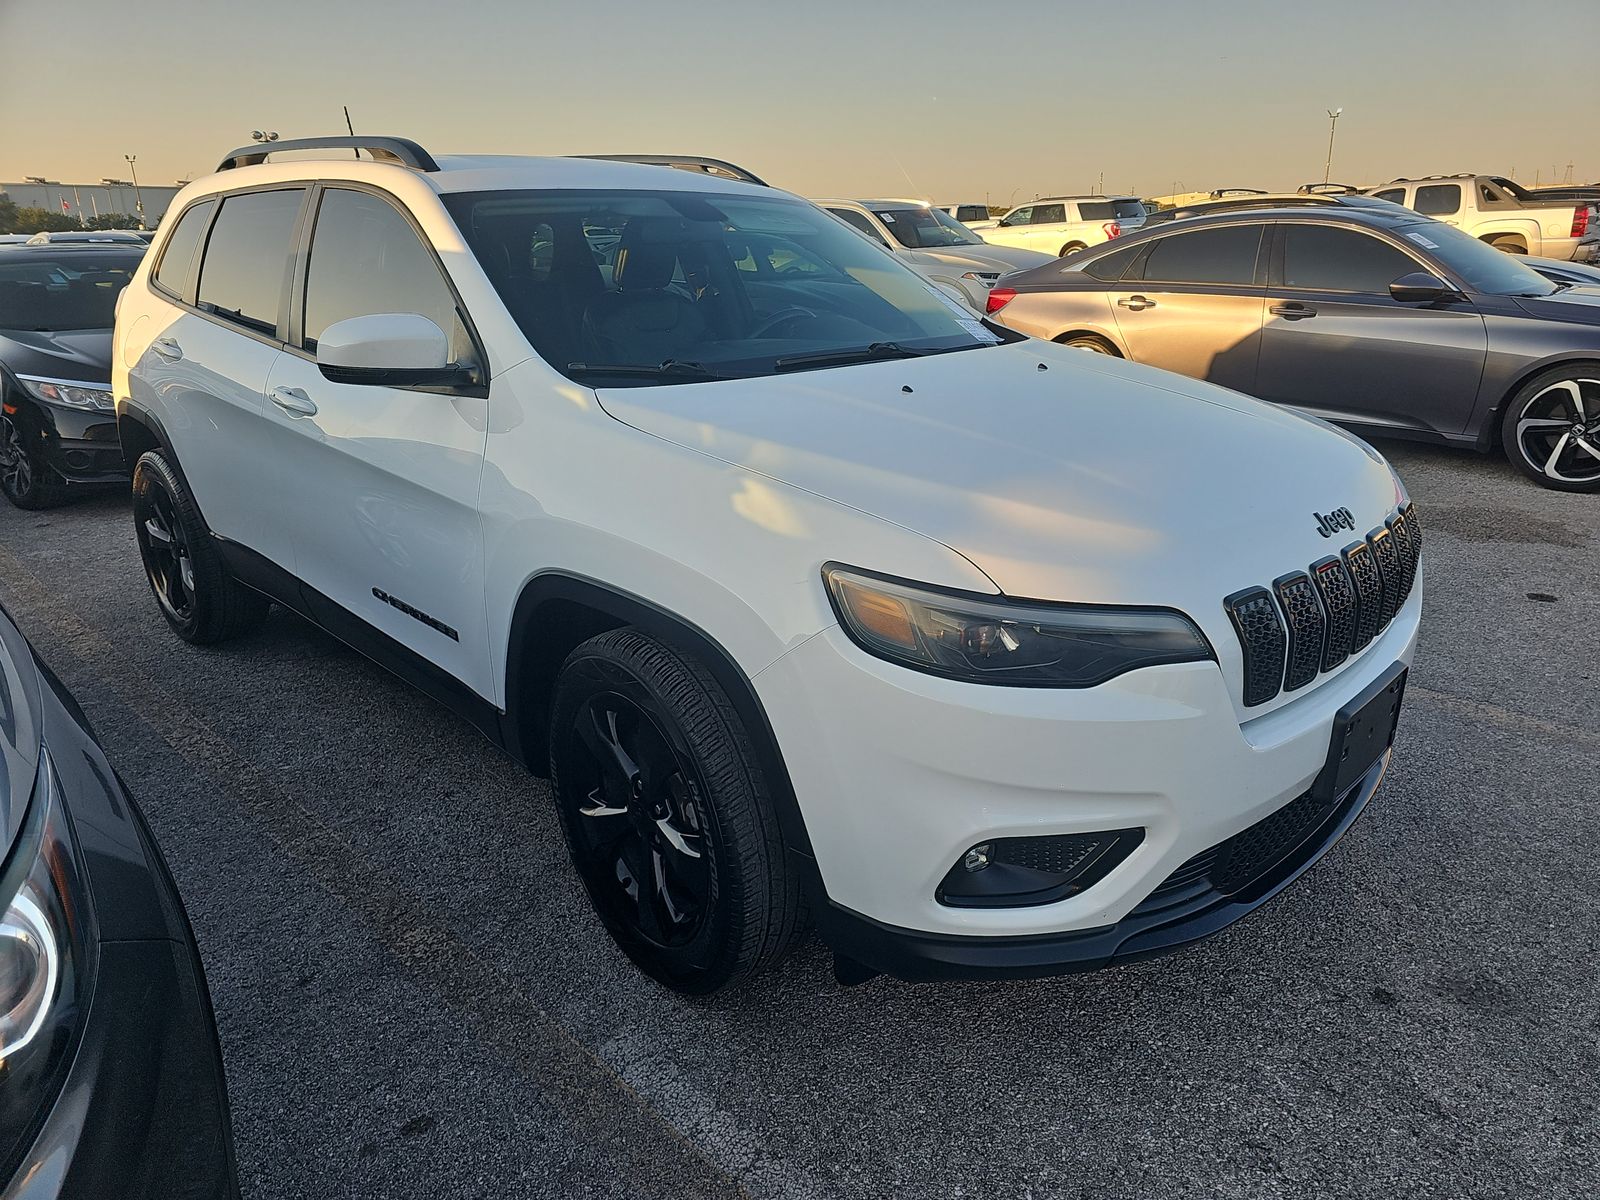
x=143 y=1110
x=81 y=447
x=903 y=772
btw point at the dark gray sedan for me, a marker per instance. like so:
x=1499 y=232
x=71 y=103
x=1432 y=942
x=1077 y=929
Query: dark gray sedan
x=1392 y=324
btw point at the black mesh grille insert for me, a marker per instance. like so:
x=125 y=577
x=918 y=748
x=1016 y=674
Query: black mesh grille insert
x=1060 y=855
x=1400 y=527
x=1262 y=638
x=1386 y=551
x=1339 y=602
x=1251 y=853
x=1363 y=570
x=1302 y=612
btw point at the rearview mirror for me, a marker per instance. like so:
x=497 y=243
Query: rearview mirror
x=389 y=350
x=1420 y=287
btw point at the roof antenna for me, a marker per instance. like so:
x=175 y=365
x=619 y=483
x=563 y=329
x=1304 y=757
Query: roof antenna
x=352 y=130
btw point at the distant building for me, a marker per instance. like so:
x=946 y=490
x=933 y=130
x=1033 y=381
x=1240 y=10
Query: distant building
x=89 y=200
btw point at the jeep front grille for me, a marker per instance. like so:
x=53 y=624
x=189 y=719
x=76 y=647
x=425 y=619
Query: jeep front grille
x=1311 y=622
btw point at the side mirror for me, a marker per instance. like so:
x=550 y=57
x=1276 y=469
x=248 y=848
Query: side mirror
x=389 y=350
x=1420 y=287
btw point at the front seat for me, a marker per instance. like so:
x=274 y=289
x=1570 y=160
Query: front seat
x=643 y=320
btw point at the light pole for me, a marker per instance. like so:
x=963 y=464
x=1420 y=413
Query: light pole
x=138 y=200
x=1333 y=124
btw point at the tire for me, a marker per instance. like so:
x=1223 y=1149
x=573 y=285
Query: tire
x=657 y=784
x=1084 y=341
x=200 y=600
x=26 y=479
x=1551 y=428
x=1071 y=248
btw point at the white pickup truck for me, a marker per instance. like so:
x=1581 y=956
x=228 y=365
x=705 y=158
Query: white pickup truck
x=1503 y=213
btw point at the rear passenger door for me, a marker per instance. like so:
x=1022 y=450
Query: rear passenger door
x=1192 y=303
x=379 y=484
x=227 y=266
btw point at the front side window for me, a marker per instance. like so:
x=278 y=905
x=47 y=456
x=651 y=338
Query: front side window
x=367 y=259
x=247 y=257
x=926 y=228
x=1323 y=258
x=702 y=286
x=857 y=221
x=47 y=291
x=1018 y=216
x=177 y=256
x=1439 y=199
x=1216 y=256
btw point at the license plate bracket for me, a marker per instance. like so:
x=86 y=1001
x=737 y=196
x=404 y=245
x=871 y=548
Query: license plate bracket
x=1362 y=732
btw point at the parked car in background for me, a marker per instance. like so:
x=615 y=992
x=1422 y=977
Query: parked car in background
x=1243 y=203
x=1061 y=225
x=1328 y=189
x=1506 y=215
x=111 y=1079
x=732 y=540
x=935 y=245
x=1376 y=318
x=1583 y=274
x=58 y=428
x=965 y=213
x=70 y=237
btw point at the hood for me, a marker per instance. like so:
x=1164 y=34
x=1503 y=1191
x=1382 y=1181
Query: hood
x=973 y=258
x=1007 y=258
x=20 y=722
x=83 y=354
x=1578 y=304
x=1061 y=475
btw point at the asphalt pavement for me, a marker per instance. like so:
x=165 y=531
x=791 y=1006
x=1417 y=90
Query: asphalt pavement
x=415 y=1001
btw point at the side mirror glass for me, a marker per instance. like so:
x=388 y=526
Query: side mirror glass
x=389 y=350
x=1420 y=287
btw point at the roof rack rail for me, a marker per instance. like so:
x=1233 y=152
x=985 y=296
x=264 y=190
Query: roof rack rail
x=400 y=151
x=687 y=162
x=1425 y=178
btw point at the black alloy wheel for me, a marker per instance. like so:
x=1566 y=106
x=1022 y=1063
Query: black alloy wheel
x=25 y=478
x=1552 y=428
x=164 y=547
x=667 y=816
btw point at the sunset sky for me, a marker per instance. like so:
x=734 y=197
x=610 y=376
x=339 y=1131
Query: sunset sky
x=1002 y=100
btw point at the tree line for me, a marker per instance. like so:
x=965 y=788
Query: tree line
x=15 y=219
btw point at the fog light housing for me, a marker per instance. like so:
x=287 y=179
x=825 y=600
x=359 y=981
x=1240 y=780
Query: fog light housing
x=1020 y=872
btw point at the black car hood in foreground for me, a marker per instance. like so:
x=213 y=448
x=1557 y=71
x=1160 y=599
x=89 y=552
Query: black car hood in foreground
x=83 y=354
x=1577 y=305
x=20 y=730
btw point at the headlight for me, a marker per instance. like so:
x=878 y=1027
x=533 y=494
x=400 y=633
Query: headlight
x=46 y=947
x=68 y=394
x=995 y=640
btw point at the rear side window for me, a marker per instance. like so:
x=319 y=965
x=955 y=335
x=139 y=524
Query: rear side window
x=1049 y=214
x=1392 y=195
x=1226 y=255
x=1326 y=259
x=971 y=212
x=1109 y=267
x=247 y=256
x=1439 y=199
x=367 y=259
x=172 y=272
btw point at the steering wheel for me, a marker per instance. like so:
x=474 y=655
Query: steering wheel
x=779 y=318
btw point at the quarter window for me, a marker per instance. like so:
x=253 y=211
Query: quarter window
x=172 y=273
x=1226 y=256
x=1322 y=258
x=1109 y=267
x=1439 y=199
x=247 y=256
x=366 y=259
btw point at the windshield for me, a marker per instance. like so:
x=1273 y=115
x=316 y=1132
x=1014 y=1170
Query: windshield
x=53 y=292
x=641 y=287
x=926 y=228
x=1480 y=265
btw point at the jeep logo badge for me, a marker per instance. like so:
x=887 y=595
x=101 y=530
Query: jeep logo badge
x=1339 y=518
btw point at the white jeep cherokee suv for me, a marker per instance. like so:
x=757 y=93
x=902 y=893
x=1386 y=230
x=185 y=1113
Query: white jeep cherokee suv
x=816 y=596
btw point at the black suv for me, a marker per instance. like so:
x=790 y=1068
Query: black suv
x=58 y=427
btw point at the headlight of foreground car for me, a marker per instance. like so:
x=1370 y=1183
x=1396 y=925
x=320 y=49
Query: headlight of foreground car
x=45 y=965
x=69 y=395
x=999 y=641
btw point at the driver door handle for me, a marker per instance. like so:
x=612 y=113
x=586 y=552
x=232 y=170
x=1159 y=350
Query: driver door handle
x=294 y=402
x=167 y=348
x=1293 y=311
x=1137 y=303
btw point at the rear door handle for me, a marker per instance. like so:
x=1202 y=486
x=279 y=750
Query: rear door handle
x=167 y=348
x=1137 y=303
x=294 y=402
x=1292 y=312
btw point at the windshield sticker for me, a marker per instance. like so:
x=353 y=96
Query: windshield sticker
x=1424 y=241
x=886 y=218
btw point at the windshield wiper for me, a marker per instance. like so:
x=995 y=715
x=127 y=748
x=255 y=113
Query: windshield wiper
x=671 y=367
x=827 y=358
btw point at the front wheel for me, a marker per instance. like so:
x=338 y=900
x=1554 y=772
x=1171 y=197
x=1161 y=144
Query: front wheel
x=197 y=596
x=25 y=478
x=668 y=816
x=1551 y=428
